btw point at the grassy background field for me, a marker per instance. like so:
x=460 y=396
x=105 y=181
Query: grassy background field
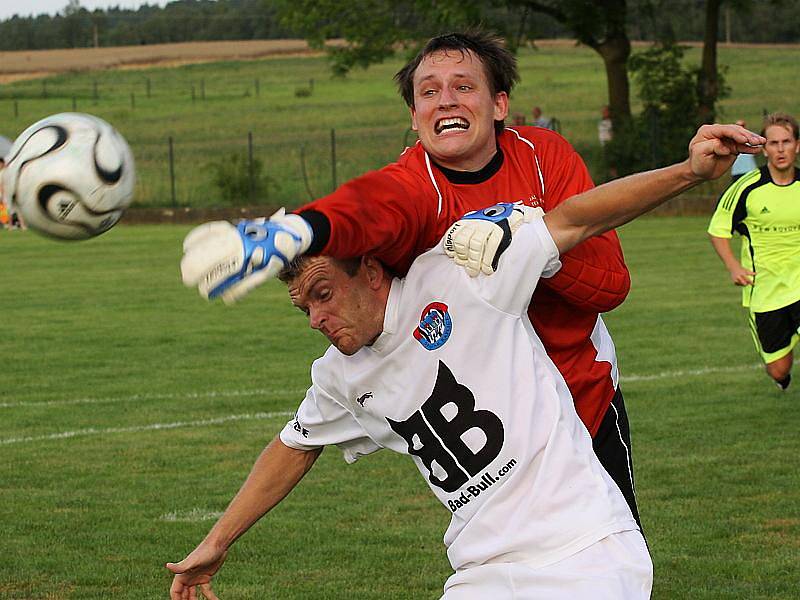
x=131 y=410
x=232 y=99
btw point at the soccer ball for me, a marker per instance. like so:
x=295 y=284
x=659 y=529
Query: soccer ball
x=70 y=176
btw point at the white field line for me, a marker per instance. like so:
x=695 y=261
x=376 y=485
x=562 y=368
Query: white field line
x=146 y=397
x=191 y=516
x=274 y=391
x=694 y=372
x=271 y=415
x=153 y=427
x=688 y=373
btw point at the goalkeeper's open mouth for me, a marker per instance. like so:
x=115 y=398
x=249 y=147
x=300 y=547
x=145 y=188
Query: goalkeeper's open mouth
x=450 y=124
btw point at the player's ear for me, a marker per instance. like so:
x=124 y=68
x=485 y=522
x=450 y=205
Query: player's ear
x=500 y=106
x=374 y=271
x=413 y=118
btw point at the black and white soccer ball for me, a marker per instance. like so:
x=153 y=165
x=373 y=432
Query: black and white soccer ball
x=70 y=176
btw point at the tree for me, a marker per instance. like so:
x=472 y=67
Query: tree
x=75 y=25
x=708 y=80
x=373 y=29
x=600 y=25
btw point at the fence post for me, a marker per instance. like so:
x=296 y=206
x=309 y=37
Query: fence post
x=16 y=109
x=250 y=169
x=172 y=171
x=258 y=87
x=95 y=95
x=192 y=93
x=333 y=157
x=311 y=85
x=74 y=104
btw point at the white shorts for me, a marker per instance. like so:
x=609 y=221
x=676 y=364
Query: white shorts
x=617 y=567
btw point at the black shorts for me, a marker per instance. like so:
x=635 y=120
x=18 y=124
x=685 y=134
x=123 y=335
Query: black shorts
x=612 y=445
x=776 y=331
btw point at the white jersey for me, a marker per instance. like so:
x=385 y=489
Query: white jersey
x=459 y=380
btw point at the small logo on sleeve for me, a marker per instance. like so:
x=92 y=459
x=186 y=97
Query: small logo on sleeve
x=299 y=428
x=435 y=326
x=363 y=398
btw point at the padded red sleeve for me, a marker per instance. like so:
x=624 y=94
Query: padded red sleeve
x=593 y=275
x=385 y=213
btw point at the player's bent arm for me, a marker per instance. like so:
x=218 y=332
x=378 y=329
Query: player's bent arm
x=739 y=275
x=275 y=473
x=593 y=275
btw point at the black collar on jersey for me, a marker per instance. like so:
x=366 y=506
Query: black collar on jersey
x=479 y=176
x=766 y=176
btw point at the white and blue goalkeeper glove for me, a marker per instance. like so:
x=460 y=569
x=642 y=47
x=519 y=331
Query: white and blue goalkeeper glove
x=480 y=237
x=228 y=261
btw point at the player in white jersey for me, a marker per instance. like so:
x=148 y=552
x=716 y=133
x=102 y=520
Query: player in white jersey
x=448 y=381
x=439 y=366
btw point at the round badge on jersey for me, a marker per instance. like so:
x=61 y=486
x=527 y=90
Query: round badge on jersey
x=435 y=326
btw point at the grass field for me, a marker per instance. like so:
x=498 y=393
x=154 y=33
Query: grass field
x=131 y=411
x=232 y=99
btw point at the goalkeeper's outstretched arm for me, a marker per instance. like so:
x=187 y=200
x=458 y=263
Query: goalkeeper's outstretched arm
x=228 y=261
x=478 y=239
x=711 y=152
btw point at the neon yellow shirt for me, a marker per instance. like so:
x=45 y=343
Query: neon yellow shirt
x=767 y=216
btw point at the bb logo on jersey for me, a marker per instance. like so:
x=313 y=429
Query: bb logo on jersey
x=435 y=326
x=438 y=433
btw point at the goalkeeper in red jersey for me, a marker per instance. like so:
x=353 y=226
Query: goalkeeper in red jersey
x=457 y=89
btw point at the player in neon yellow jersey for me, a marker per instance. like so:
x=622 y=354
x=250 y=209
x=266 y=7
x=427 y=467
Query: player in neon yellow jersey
x=763 y=207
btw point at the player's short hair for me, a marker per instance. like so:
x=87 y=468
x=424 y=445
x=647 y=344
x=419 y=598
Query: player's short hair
x=296 y=267
x=499 y=64
x=782 y=119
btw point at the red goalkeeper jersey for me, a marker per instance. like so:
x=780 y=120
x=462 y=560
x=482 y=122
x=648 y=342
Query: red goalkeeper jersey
x=402 y=210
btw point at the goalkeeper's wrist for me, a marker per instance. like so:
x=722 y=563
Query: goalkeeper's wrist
x=320 y=230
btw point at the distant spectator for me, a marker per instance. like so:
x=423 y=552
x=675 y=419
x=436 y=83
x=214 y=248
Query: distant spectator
x=518 y=119
x=605 y=130
x=9 y=218
x=744 y=163
x=5 y=146
x=605 y=133
x=5 y=218
x=539 y=120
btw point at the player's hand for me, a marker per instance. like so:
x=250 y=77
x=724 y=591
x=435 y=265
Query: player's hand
x=714 y=148
x=196 y=570
x=477 y=240
x=228 y=261
x=741 y=276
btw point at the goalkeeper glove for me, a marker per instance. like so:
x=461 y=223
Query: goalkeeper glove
x=228 y=261
x=477 y=240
